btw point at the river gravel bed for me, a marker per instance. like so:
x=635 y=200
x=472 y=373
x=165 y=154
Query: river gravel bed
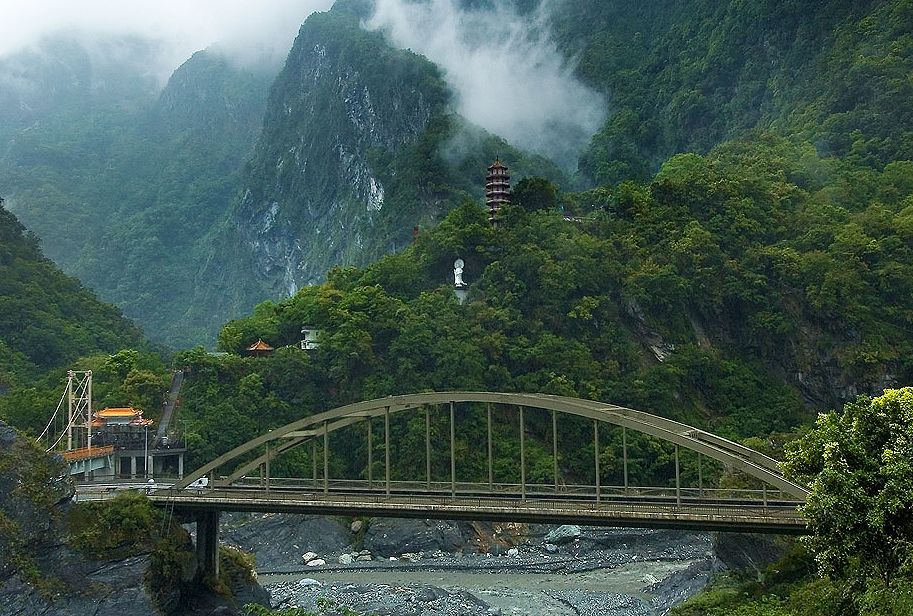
x=604 y=573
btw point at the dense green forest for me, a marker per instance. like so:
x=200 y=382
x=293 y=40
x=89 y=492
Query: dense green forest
x=684 y=76
x=50 y=323
x=161 y=202
x=126 y=189
x=736 y=252
x=360 y=144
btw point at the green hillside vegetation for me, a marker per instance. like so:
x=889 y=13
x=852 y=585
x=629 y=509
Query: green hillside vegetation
x=48 y=319
x=134 y=195
x=685 y=76
x=736 y=292
x=49 y=323
x=347 y=115
x=740 y=292
x=124 y=191
x=857 y=560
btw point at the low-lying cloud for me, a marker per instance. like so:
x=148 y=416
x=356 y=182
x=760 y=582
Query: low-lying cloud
x=507 y=72
x=245 y=30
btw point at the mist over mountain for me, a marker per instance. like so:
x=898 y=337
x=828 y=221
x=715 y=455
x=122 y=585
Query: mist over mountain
x=189 y=202
x=507 y=73
x=122 y=179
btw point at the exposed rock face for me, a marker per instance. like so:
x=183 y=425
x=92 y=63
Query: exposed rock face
x=313 y=192
x=279 y=540
x=43 y=574
x=748 y=554
x=388 y=536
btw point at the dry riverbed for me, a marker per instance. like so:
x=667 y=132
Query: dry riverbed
x=606 y=572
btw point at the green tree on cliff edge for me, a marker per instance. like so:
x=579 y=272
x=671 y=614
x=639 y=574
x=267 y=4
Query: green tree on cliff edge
x=858 y=464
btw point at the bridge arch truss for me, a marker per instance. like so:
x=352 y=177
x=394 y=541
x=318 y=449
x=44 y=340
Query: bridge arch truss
x=318 y=427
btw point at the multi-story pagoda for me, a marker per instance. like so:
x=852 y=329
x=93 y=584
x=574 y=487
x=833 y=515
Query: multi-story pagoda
x=497 y=190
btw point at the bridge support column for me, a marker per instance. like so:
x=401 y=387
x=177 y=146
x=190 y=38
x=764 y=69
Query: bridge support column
x=678 y=483
x=700 y=476
x=267 y=467
x=555 y=447
x=326 y=458
x=208 y=542
x=132 y=467
x=314 y=460
x=370 y=456
x=427 y=448
x=387 y=449
x=180 y=466
x=624 y=455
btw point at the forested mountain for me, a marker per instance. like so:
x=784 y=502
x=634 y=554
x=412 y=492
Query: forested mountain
x=123 y=183
x=684 y=76
x=47 y=319
x=357 y=148
x=161 y=202
x=735 y=249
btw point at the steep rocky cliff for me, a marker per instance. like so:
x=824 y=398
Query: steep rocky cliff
x=359 y=145
x=59 y=558
x=312 y=194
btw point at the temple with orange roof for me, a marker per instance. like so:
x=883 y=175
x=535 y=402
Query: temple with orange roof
x=132 y=437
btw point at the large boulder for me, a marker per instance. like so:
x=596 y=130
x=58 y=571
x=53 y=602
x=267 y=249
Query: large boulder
x=563 y=534
x=391 y=536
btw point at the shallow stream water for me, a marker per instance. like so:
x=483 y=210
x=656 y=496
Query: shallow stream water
x=626 y=590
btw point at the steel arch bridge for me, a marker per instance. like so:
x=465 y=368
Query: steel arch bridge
x=318 y=427
x=495 y=502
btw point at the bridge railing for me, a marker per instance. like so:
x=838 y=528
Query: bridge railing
x=615 y=509
x=538 y=490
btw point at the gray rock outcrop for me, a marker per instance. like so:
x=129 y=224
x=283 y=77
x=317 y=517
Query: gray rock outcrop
x=43 y=572
x=388 y=537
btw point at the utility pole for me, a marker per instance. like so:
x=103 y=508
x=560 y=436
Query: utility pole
x=146 y=451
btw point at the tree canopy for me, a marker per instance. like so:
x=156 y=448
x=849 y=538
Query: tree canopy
x=858 y=463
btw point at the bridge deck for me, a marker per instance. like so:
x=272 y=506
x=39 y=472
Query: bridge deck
x=782 y=518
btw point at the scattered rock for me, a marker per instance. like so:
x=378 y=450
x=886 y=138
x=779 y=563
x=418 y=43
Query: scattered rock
x=317 y=562
x=551 y=548
x=564 y=534
x=271 y=537
x=363 y=558
x=357 y=525
x=346 y=559
x=308 y=557
x=513 y=552
x=308 y=582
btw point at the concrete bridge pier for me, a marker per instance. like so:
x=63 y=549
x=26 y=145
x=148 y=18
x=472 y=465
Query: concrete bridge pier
x=208 y=542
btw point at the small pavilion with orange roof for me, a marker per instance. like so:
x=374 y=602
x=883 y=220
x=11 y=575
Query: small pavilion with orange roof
x=260 y=349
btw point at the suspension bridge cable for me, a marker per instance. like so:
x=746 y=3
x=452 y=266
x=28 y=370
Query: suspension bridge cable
x=54 y=416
